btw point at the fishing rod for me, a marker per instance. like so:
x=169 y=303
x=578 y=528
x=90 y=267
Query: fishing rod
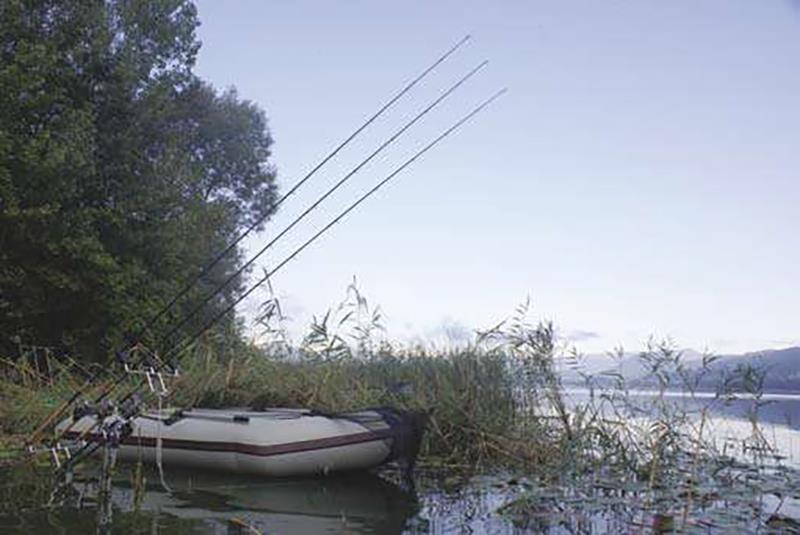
x=180 y=347
x=321 y=199
x=297 y=220
x=91 y=446
x=64 y=407
x=303 y=180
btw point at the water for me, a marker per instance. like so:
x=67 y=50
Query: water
x=362 y=503
x=443 y=502
x=221 y=504
x=729 y=421
x=773 y=408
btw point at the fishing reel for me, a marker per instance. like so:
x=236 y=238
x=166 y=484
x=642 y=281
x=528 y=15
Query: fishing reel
x=100 y=410
x=106 y=408
x=114 y=422
x=113 y=432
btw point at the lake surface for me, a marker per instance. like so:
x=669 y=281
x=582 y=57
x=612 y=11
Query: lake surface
x=220 y=504
x=773 y=408
x=730 y=421
x=361 y=503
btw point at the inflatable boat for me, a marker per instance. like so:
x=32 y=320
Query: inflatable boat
x=273 y=442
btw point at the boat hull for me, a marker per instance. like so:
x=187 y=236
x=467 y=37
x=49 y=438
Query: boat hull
x=273 y=443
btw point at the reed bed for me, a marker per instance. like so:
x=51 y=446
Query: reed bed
x=497 y=403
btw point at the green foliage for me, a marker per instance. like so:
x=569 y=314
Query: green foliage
x=121 y=173
x=498 y=403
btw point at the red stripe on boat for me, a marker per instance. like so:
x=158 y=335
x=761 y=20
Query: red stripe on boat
x=251 y=449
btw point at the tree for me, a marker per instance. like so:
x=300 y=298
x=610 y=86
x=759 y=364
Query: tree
x=121 y=172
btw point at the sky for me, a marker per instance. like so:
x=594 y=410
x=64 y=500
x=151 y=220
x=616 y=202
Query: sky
x=640 y=178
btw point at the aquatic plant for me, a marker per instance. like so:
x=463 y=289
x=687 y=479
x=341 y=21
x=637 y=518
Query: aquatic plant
x=498 y=403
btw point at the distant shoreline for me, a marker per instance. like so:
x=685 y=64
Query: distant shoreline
x=768 y=395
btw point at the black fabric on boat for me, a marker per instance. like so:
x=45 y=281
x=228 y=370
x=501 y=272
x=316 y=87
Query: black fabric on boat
x=181 y=414
x=408 y=428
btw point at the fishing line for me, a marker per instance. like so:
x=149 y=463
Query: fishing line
x=160 y=445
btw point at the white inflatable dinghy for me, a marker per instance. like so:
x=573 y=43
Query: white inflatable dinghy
x=273 y=442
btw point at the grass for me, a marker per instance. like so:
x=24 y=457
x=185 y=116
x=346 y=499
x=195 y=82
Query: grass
x=470 y=394
x=498 y=402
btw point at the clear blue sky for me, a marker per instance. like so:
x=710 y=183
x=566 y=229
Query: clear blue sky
x=642 y=175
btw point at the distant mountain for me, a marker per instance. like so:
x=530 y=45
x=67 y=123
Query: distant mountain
x=782 y=368
x=629 y=365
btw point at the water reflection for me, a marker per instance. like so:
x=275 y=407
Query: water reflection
x=362 y=503
x=209 y=503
